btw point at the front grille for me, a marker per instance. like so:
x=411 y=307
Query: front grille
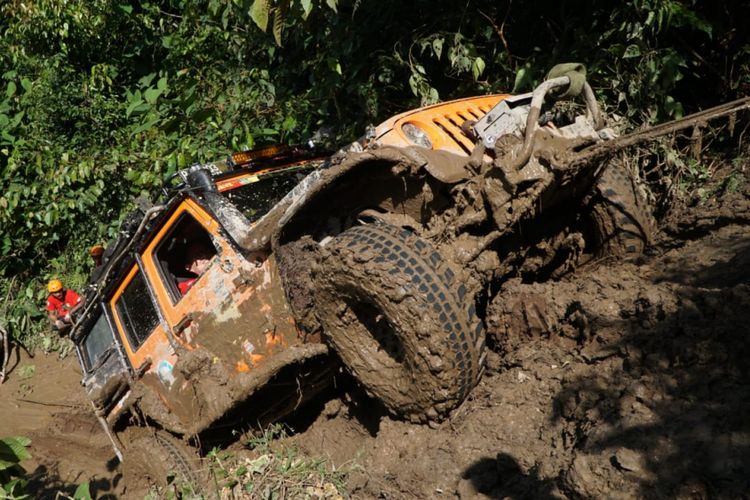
x=450 y=123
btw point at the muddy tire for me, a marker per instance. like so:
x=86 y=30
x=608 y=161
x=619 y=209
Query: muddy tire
x=621 y=221
x=394 y=311
x=160 y=459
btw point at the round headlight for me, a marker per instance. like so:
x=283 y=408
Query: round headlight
x=416 y=135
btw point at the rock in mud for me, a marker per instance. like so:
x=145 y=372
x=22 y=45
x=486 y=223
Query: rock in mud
x=628 y=460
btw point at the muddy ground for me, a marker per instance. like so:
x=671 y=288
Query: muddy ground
x=622 y=380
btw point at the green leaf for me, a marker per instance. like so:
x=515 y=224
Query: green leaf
x=437 y=47
x=477 y=68
x=145 y=126
x=83 y=492
x=201 y=115
x=17 y=119
x=278 y=24
x=151 y=95
x=138 y=108
x=11 y=90
x=146 y=80
x=307 y=7
x=523 y=79
x=26 y=84
x=332 y=4
x=259 y=13
x=162 y=84
x=13 y=450
x=631 y=50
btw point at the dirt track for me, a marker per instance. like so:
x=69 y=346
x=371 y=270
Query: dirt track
x=622 y=380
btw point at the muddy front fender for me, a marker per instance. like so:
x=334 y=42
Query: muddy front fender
x=351 y=181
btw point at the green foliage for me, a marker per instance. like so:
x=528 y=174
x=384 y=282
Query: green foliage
x=82 y=492
x=101 y=100
x=13 y=450
x=26 y=371
x=275 y=471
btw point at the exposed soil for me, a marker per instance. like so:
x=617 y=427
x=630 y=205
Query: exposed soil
x=624 y=379
x=68 y=445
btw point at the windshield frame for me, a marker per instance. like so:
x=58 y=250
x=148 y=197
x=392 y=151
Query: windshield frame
x=245 y=180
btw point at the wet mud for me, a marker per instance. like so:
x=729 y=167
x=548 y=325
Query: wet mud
x=68 y=446
x=625 y=379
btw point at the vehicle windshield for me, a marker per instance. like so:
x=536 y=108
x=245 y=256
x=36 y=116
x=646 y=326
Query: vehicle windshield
x=98 y=341
x=259 y=193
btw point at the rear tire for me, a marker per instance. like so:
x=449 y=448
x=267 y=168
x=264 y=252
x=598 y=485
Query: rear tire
x=621 y=220
x=156 y=457
x=396 y=314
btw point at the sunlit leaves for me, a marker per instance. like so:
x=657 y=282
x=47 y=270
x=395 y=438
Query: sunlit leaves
x=259 y=12
x=477 y=67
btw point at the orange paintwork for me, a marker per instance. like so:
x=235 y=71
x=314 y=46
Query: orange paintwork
x=156 y=346
x=441 y=122
x=273 y=340
x=174 y=313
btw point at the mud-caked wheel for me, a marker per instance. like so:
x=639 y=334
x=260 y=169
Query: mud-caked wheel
x=621 y=221
x=400 y=320
x=160 y=459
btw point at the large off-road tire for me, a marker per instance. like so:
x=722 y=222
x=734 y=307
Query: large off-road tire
x=621 y=221
x=158 y=458
x=394 y=311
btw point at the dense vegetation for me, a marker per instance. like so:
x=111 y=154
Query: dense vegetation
x=101 y=99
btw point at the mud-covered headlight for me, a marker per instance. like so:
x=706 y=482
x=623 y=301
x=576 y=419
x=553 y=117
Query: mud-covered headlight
x=416 y=135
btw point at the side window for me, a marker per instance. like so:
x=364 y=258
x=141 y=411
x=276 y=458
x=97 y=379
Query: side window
x=97 y=342
x=184 y=256
x=136 y=311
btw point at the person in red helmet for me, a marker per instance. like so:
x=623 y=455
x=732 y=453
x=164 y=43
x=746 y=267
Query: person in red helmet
x=60 y=302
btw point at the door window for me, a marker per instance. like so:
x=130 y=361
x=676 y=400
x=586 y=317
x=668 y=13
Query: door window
x=184 y=256
x=136 y=311
x=98 y=342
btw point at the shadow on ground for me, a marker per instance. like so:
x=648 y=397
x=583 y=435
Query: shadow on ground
x=669 y=411
x=656 y=398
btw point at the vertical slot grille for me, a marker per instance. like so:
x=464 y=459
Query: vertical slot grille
x=451 y=125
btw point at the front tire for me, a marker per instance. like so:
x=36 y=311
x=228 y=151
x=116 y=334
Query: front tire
x=394 y=311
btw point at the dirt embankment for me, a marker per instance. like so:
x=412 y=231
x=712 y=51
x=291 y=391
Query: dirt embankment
x=625 y=379
x=44 y=401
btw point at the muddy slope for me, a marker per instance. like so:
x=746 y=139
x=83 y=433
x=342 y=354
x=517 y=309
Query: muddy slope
x=627 y=379
x=68 y=446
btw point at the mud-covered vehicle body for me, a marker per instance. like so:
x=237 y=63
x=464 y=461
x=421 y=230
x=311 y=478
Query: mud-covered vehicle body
x=186 y=356
x=389 y=252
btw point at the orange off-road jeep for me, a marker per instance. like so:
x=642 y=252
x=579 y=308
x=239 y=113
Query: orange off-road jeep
x=219 y=305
